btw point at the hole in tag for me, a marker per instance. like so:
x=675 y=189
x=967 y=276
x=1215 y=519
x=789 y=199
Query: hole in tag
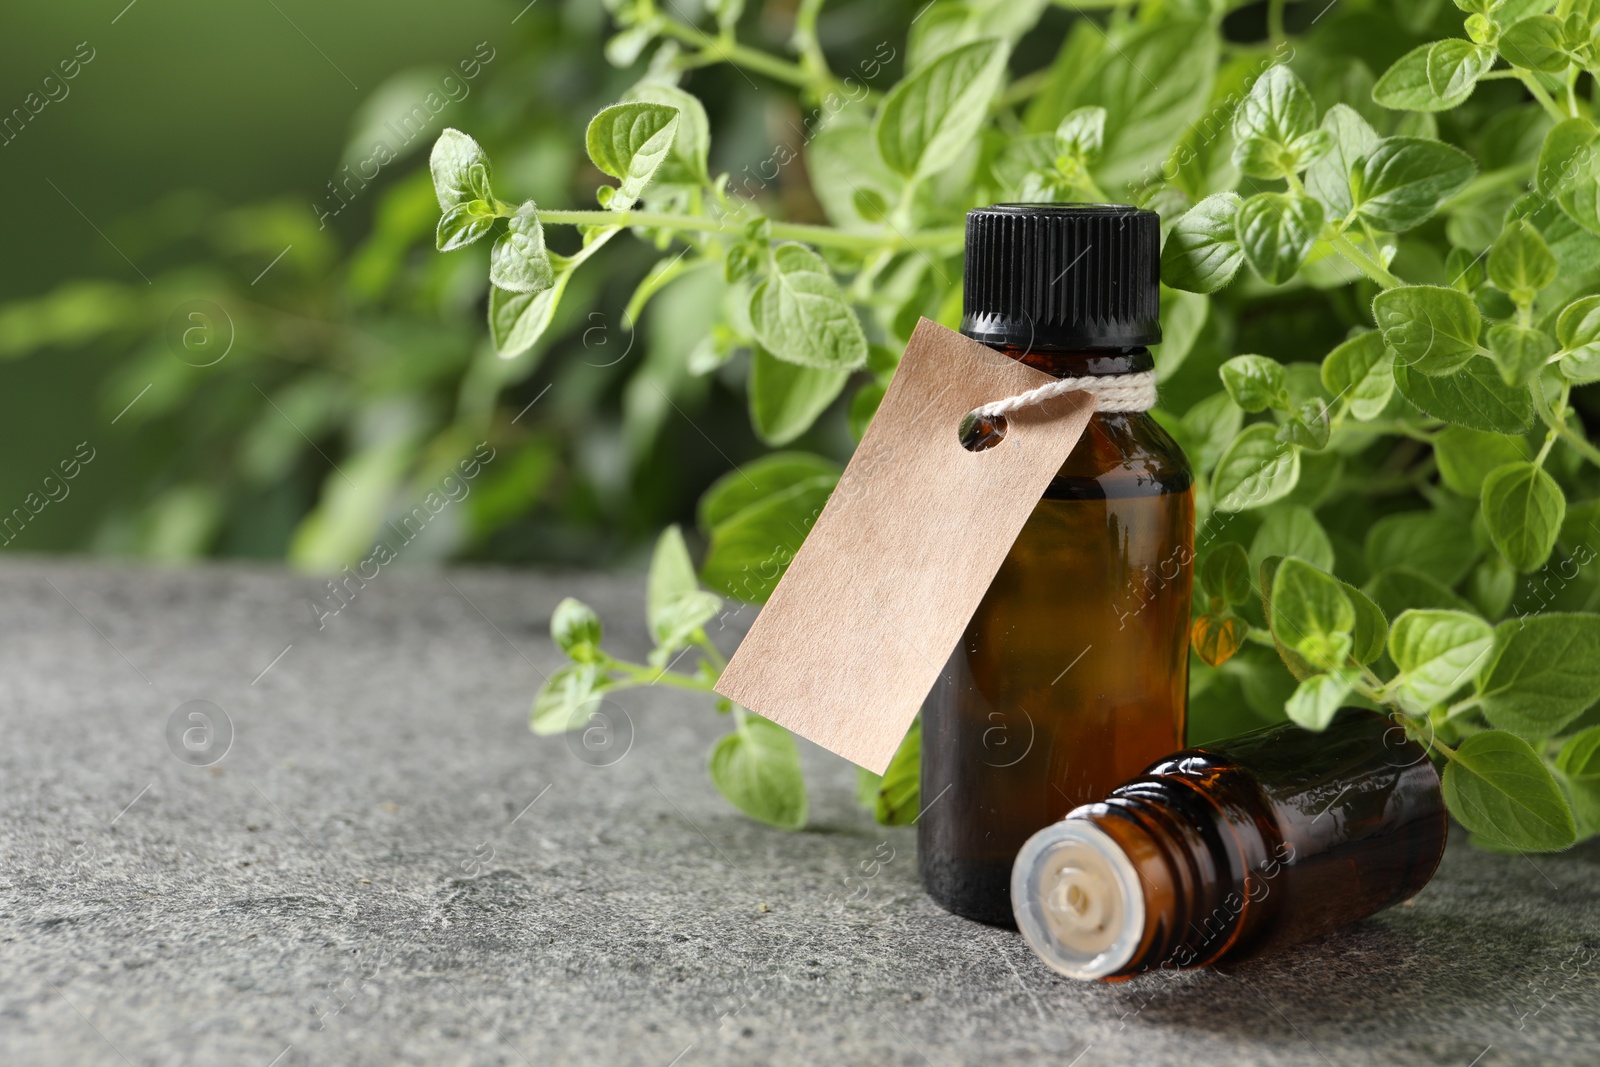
x=980 y=432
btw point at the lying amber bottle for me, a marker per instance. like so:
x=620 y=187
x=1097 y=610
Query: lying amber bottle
x=1232 y=849
x=1072 y=673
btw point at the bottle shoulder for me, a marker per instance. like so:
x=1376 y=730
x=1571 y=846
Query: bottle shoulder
x=1122 y=454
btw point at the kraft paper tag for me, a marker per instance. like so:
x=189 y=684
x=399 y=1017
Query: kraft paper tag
x=858 y=629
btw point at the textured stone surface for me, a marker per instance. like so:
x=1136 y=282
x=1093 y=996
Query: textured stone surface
x=362 y=879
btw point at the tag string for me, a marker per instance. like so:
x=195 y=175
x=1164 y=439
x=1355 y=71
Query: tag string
x=1113 y=392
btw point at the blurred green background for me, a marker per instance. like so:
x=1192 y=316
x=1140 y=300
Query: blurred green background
x=261 y=348
x=175 y=200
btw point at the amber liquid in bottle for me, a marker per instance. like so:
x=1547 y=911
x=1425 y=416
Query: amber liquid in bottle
x=1235 y=848
x=1072 y=674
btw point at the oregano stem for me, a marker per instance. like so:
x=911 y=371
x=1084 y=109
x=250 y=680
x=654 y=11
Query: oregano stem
x=639 y=674
x=1256 y=635
x=713 y=654
x=932 y=240
x=1558 y=424
x=728 y=50
x=1023 y=88
x=1365 y=263
x=804 y=39
x=1539 y=94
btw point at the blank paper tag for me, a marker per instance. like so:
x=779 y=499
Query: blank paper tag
x=859 y=628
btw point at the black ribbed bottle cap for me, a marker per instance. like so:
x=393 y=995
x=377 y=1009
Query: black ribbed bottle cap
x=1063 y=276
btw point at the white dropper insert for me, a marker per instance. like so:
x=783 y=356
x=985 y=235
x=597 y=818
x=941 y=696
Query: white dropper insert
x=1076 y=898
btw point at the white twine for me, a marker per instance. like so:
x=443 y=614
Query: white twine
x=1113 y=392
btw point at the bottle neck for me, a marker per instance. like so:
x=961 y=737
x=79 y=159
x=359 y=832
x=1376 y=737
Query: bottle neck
x=1080 y=362
x=1203 y=860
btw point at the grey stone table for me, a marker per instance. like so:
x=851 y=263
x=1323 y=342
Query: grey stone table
x=386 y=867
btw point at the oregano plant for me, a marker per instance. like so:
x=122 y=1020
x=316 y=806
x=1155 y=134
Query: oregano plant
x=1381 y=260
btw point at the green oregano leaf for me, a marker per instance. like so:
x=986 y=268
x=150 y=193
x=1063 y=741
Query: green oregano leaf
x=1255 y=470
x=562 y=702
x=1536 y=43
x=461 y=225
x=676 y=606
x=1398 y=588
x=1466 y=456
x=1523 y=508
x=575 y=628
x=749 y=485
x=1317 y=699
x=1497 y=786
x=1544 y=672
x=751 y=548
x=1311 y=613
x=1256 y=382
x=1437 y=652
x=1510 y=12
x=786 y=398
x=1275 y=129
x=1579 y=323
x=1579 y=764
x=1429 y=542
x=1144 y=115
x=1370 y=632
x=1309 y=426
x=898 y=798
x=800 y=315
x=1580 y=199
x=1290 y=531
x=518 y=261
x=630 y=142
x=1202 y=252
x=1082 y=134
x=1566 y=158
x=1405 y=86
x=625 y=48
x=1519 y=351
x=1475 y=396
x=452 y=163
x=1454 y=67
x=686 y=163
x=1183 y=317
x=518 y=320
x=1277 y=231
x=1225 y=573
x=1372 y=629
x=1520 y=263
x=757 y=768
x=1208 y=429
x=1491 y=585
x=1578 y=331
x=1361 y=372
x=1404 y=180
x=1351 y=138
x=1428 y=328
x=930 y=117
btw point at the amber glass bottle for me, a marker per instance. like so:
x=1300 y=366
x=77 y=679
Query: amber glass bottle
x=1072 y=673
x=1235 y=848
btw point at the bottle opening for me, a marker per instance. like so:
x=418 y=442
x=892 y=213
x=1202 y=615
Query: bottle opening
x=1077 y=900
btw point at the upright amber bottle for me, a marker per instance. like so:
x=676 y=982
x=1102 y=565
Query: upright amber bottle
x=1072 y=673
x=1224 y=851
